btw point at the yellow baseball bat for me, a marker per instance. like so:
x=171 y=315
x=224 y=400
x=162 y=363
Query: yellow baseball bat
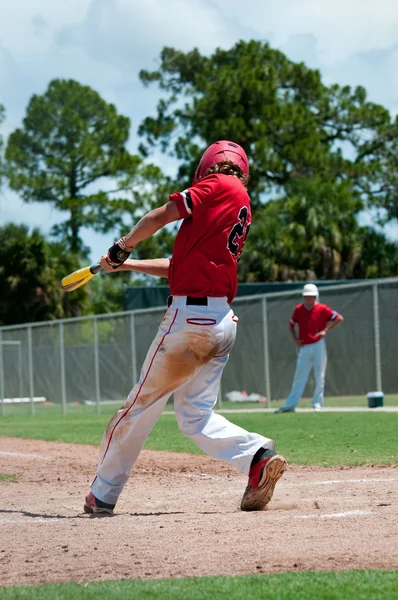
x=80 y=277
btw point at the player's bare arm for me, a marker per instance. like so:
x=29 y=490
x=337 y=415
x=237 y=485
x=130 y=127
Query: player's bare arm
x=292 y=329
x=151 y=223
x=332 y=325
x=145 y=228
x=158 y=267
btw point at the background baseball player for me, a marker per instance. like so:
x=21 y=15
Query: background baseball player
x=191 y=348
x=314 y=321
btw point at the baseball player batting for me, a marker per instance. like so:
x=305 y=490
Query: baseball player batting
x=314 y=321
x=193 y=342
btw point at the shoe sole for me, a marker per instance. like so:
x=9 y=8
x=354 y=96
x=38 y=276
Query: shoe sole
x=97 y=511
x=273 y=471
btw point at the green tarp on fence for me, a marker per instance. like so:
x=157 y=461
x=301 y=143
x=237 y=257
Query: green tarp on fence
x=148 y=297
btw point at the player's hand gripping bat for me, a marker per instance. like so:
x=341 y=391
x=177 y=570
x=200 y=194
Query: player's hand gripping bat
x=78 y=278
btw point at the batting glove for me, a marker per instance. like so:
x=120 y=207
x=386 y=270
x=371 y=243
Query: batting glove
x=117 y=254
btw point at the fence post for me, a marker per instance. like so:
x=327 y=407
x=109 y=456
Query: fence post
x=266 y=352
x=376 y=322
x=133 y=349
x=62 y=365
x=2 y=387
x=30 y=365
x=96 y=367
x=20 y=372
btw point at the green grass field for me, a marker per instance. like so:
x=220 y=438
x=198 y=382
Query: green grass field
x=330 y=401
x=348 y=585
x=329 y=439
x=335 y=401
x=8 y=477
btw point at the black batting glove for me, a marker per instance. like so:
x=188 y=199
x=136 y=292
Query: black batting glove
x=117 y=254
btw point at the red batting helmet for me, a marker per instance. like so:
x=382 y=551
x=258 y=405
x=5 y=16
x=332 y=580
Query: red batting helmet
x=218 y=152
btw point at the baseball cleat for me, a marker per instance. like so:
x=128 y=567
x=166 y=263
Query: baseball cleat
x=284 y=410
x=93 y=506
x=263 y=477
x=317 y=407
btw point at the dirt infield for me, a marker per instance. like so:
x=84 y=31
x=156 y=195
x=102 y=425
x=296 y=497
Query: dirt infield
x=179 y=516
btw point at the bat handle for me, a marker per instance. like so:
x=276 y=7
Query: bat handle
x=94 y=269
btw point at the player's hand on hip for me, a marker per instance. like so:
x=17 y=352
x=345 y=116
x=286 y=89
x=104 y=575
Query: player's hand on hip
x=117 y=254
x=322 y=334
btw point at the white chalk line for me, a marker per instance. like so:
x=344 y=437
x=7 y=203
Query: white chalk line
x=40 y=457
x=217 y=477
x=22 y=455
x=339 y=482
x=282 y=484
x=31 y=521
x=201 y=476
x=341 y=515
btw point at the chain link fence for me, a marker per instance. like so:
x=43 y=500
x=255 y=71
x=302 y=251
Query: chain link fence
x=97 y=359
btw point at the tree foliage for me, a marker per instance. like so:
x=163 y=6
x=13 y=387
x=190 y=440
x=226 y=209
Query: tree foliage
x=318 y=154
x=379 y=257
x=292 y=240
x=106 y=293
x=2 y=117
x=71 y=152
x=381 y=159
x=290 y=123
x=30 y=274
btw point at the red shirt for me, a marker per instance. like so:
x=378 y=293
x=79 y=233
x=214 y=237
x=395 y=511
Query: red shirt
x=312 y=321
x=217 y=216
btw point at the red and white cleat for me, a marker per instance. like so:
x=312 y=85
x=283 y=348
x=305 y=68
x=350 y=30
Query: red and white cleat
x=263 y=477
x=93 y=506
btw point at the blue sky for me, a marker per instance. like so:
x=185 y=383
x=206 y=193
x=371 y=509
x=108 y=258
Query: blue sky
x=104 y=44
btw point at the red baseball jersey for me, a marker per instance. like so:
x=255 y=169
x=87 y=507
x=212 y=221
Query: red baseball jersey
x=312 y=321
x=217 y=216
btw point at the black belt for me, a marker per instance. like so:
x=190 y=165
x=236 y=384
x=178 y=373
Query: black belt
x=191 y=301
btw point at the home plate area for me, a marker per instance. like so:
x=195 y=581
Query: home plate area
x=179 y=516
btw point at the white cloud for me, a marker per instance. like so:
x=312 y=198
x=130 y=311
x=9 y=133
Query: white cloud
x=17 y=28
x=303 y=47
x=130 y=35
x=35 y=214
x=342 y=26
x=376 y=70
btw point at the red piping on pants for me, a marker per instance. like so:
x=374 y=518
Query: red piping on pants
x=140 y=388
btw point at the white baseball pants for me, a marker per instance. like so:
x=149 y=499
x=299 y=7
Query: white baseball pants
x=187 y=358
x=312 y=356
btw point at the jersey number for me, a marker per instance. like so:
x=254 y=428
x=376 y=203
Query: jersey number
x=238 y=234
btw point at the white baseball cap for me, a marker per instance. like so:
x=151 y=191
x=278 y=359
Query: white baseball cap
x=310 y=289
